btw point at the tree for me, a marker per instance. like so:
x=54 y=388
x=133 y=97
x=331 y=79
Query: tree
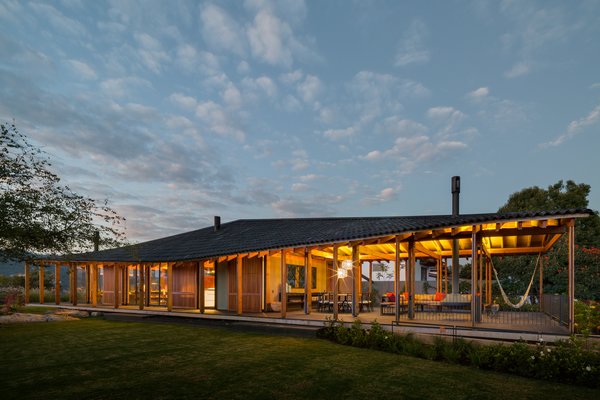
x=515 y=272
x=38 y=215
x=559 y=196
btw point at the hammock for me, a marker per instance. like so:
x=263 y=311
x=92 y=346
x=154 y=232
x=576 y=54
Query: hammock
x=524 y=297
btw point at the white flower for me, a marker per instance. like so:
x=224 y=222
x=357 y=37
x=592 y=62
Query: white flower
x=588 y=368
x=548 y=350
x=533 y=357
x=541 y=354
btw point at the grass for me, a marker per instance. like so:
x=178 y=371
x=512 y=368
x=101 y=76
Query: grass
x=35 y=309
x=95 y=358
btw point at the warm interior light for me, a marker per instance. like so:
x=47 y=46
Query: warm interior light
x=342 y=273
x=347 y=265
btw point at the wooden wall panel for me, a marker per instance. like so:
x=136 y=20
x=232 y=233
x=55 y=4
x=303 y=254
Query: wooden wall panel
x=108 y=289
x=185 y=285
x=232 y=285
x=252 y=284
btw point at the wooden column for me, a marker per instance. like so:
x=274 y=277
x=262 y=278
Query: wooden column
x=411 y=278
x=116 y=270
x=571 y=283
x=445 y=267
x=94 y=284
x=41 y=282
x=267 y=278
x=240 y=289
x=283 y=285
x=27 y=277
x=201 y=299
x=170 y=286
x=475 y=294
x=88 y=291
x=307 y=280
x=335 y=282
x=355 y=280
x=147 y=268
x=541 y=288
x=370 y=278
x=397 y=277
x=74 y=277
x=57 y=283
x=142 y=286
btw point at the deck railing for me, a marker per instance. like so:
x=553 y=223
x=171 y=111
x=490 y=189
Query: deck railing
x=556 y=306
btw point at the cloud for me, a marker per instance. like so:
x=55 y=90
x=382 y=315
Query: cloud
x=336 y=134
x=444 y=113
x=82 y=69
x=300 y=187
x=221 y=31
x=59 y=21
x=193 y=61
x=309 y=89
x=519 y=69
x=412 y=49
x=183 y=101
x=121 y=87
x=267 y=36
x=403 y=127
x=385 y=195
x=575 y=127
x=218 y=120
x=595 y=85
x=315 y=206
x=272 y=39
x=479 y=93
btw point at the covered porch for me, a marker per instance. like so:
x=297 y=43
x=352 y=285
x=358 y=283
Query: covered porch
x=333 y=279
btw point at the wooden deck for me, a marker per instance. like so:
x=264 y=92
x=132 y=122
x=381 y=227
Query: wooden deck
x=444 y=324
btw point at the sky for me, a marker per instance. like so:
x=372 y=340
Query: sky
x=177 y=111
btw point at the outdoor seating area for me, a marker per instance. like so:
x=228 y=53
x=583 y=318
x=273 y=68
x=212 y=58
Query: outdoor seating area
x=326 y=302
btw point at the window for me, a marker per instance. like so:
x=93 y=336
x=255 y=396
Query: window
x=296 y=278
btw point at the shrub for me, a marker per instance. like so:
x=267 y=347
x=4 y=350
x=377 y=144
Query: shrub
x=10 y=298
x=567 y=361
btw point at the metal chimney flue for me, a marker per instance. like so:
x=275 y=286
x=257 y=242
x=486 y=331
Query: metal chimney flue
x=96 y=241
x=455 y=195
x=217 y=224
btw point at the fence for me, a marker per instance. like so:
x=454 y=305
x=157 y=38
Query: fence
x=556 y=306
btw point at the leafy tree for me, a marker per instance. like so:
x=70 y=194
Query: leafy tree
x=515 y=272
x=37 y=213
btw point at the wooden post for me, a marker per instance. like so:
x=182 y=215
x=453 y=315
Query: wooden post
x=283 y=290
x=335 y=282
x=355 y=280
x=116 y=269
x=142 y=286
x=571 y=283
x=445 y=270
x=240 y=289
x=27 y=277
x=411 y=279
x=307 y=280
x=57 y=283
x=74 y=276
x=370 y=278
x=170 y=286
x=397 y=277
x=88 y=291
x=201 y=297
x=41 y=278
x=94 y=284
x=475 y=299
x=541 y=288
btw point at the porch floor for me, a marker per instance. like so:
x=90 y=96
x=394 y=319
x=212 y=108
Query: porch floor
x=505 y=325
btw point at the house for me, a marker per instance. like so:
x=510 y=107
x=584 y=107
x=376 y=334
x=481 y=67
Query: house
x=286 y=267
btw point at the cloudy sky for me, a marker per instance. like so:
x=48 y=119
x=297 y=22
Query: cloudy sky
x=178 y=111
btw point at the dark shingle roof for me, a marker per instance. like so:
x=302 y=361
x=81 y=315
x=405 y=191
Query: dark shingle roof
x=250 y=235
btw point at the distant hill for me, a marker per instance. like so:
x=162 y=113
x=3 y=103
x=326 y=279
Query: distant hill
x=11 y=268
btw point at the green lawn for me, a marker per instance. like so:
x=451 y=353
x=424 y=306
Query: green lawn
x=94 y=358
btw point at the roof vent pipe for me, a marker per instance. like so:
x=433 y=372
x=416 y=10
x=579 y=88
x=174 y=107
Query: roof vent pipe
x=455 y=250
x=96 y=241
x=455 y=195
x=217 y=225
